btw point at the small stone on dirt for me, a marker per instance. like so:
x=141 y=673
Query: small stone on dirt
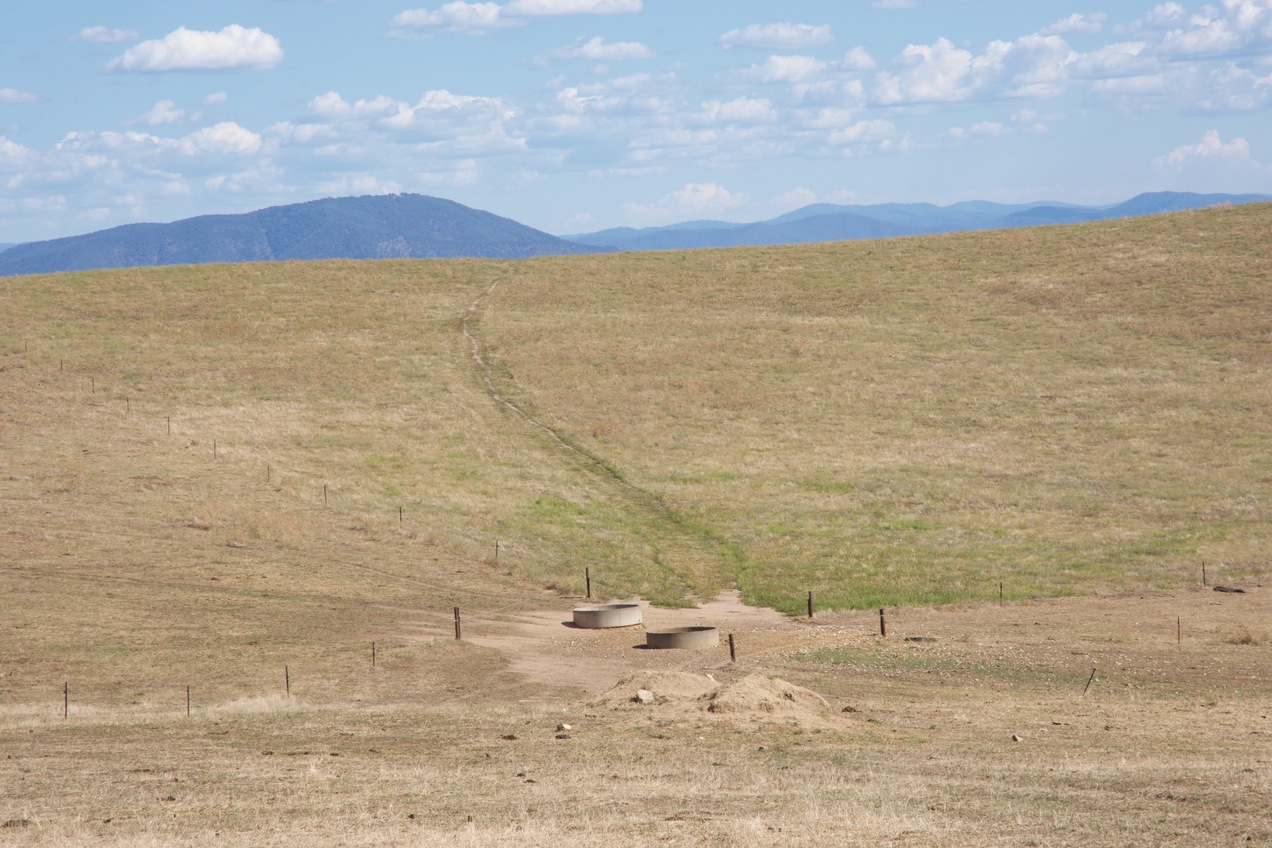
x=1015 y=737
x=561 y=728
x=643 y=696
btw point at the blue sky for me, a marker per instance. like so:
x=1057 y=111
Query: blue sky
x=575 y=115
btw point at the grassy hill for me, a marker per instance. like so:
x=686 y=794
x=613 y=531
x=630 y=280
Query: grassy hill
x=231 y=476
x=1063 y=410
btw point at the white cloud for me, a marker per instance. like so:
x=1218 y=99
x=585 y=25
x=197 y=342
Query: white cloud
x=981 y=129
x=216 y=98
x=1239 y=25
x=789 y=69
x=1160 y=17
x=105 y=35
x=784 y=36
x=332 y=107
x=857 y=59
x=1236 y=89
x=895 y=4
x=13 y=154
x=1125 y=58
x=833 y=118
x=1143 y=85
x=1077 y=24
x=573 y=7
x=864 y=132
x=577 y=101
x=742 y=110
x=939 y=72
x=233 y=48
x=12 y=95
x=475 y=18
x=1032 y=66
x=1210 y=147
x=695 y=200
x=595 y=49
x=163 y=112
x=223 y=139
x=481 y=18
x=1214 y=165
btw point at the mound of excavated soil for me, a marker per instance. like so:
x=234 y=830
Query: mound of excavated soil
x=759 y=695
x=755 y=699
x=665 y=686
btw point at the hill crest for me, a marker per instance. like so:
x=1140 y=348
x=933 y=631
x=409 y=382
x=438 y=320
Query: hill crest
x=370 y=227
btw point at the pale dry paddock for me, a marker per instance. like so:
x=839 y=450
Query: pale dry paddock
x=238 y=478
x=982 y=737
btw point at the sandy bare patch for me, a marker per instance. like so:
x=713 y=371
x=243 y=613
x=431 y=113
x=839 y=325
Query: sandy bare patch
x=751 y=701
x=545 y=647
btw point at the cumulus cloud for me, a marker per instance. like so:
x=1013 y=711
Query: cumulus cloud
x=13 y=154
x=1032 y=66
x=788 y=69
x=105 y=35
x=1211 y=146
x=481 y=18
x=475 y=18
x=595 y=49
x=332 y=107
x=784 y=36
x=695 y=200
x=12 y=95
x=857 y=59
x=1214 y=165
x=929 y=73
x=742 y=110
x=440 y=123
x=573 y=7
x=223 y=139
x=1077 y=24
x=216 y=98
x=1235 y=26
x=1232 y=88
x=232 y=48
x=981 y=129
x=163 y=112
x=864 y=132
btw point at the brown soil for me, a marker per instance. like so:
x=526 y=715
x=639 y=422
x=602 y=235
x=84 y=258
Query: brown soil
x=753 y=700
x=551 y=654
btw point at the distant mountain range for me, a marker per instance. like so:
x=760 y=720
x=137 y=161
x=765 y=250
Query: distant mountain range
x=829 y=222
x=373 y=227
x=421 y=227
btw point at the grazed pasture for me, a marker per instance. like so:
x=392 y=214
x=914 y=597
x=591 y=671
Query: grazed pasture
x=211 y=474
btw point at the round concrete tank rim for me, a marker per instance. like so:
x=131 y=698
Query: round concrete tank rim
x=698 y=637
x=607 y=615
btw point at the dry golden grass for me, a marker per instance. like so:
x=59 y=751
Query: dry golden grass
x=1070 y=411
x=1065 y=409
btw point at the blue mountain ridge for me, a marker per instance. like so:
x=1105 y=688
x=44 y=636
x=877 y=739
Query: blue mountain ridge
x=418 y=226
x=371 y=227
x=832 y=222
